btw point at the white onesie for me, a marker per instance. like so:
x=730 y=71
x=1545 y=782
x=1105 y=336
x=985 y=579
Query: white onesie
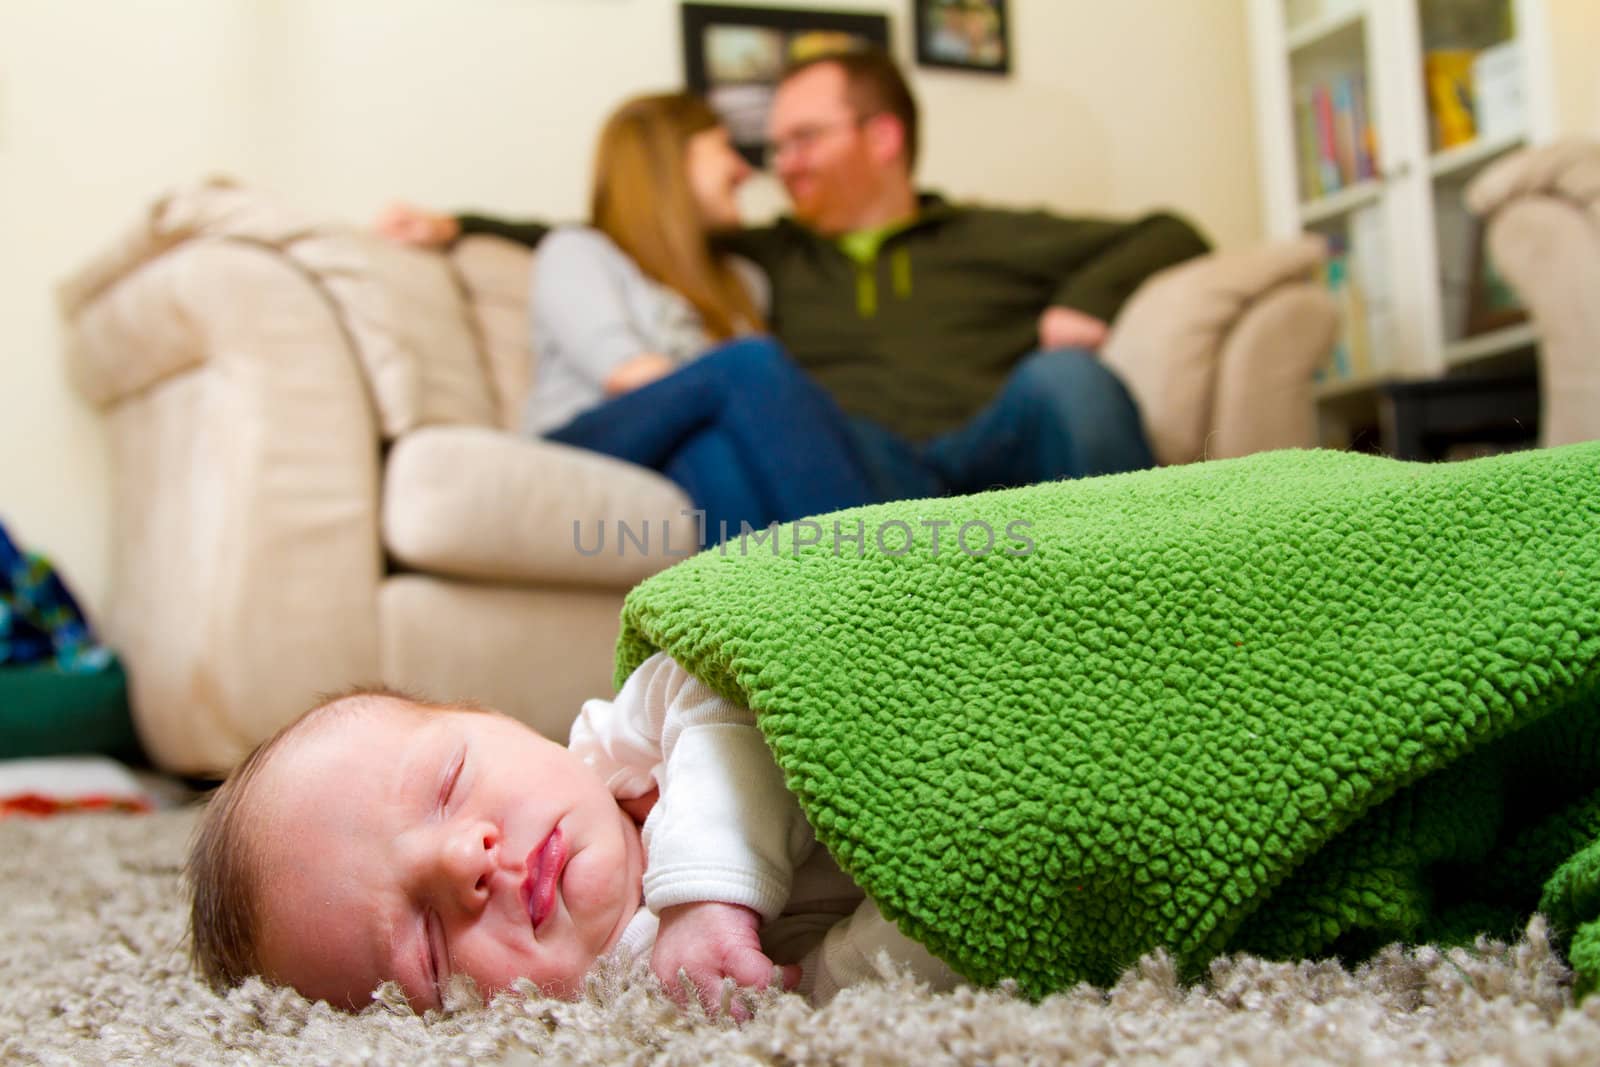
x=726 y=829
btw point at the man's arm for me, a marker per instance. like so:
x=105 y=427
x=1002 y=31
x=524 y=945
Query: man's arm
x=1104 y=281
x=526 y=232
x=410 y=224
x=763 y=246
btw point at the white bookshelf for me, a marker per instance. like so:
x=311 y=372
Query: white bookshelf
x=1322 y=29
x=1341 y=203
x=1410 y=248
x=1499 y=342
x=1474 y=154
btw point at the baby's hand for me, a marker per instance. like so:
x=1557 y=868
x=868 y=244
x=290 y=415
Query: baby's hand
x=711 y=941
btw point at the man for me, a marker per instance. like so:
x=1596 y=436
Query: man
x=960 y=340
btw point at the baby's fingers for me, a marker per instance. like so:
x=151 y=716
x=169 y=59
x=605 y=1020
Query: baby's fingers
x=714 y=992
x=739 y=1002
x=749 y=967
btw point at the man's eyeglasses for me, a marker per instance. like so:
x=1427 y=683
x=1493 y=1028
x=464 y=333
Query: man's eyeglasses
x=804 y=138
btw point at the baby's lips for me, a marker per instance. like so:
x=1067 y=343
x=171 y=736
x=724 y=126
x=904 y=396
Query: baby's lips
x=544 y=865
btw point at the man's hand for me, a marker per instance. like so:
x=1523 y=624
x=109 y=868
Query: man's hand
x=639 y=371
x=408 y=224
x=709 y=942
x=1062 y=327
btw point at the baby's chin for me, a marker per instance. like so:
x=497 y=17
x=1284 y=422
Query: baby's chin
x=600 y=899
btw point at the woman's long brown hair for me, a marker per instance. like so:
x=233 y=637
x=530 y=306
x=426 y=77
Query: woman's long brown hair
x=641 y=200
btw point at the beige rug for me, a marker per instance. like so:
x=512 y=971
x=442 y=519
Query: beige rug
x=92 y=970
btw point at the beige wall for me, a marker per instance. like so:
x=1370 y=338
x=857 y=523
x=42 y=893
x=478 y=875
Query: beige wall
x=102 y=104
x=1574 y=40
x=338 y=104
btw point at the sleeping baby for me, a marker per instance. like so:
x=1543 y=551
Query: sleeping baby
x=380 y=838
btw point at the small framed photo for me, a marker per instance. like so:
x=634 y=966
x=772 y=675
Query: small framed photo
x=734 y=55
x=964 y=35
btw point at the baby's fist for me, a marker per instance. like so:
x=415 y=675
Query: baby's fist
x=708 y=942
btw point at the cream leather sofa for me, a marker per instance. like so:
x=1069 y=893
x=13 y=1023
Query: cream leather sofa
x=317 y=484
x=1542 y=209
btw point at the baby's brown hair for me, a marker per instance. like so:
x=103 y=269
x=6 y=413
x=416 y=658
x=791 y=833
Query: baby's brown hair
x=223 y=870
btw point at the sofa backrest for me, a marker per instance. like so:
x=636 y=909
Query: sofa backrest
x=494 y=276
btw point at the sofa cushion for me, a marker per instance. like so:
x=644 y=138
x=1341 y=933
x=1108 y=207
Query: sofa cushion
x=534 y=652
x=410 y=328
x=475 y=503
x=1165 y=343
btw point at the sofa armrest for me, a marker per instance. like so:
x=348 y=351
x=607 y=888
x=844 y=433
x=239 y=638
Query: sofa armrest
x=133 y=335
x=399 y=308
x=244 y=452
x=1167 y=344
x=1550 y=254
x=1542 y=207
x=1266 y=376
x=1566 y=170
x=474 y=503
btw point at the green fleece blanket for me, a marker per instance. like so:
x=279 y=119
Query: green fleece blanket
x=1298 y=703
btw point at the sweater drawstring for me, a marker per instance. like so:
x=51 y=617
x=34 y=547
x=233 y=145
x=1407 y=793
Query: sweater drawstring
x=900 y=272
x=867 y=289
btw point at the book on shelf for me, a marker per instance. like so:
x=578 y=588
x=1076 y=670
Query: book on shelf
x=1335 y=141
x=1366 y=135
x=1447 y=73
x=1369 y=265
x=1354 y=276
x=1352 y=352
x=1344 y=130
x=1498 y=106
x=1456 y=230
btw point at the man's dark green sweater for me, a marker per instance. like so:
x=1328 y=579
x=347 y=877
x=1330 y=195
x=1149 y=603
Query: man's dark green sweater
x=921 y=335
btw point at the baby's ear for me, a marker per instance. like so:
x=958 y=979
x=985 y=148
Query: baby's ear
x=638 y=808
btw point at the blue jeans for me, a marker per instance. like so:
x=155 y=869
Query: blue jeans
x=1061 y=414
x=746 y=434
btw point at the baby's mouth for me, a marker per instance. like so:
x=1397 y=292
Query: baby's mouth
x=544 y=873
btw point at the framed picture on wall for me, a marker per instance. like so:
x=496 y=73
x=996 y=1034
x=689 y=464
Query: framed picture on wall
x=964 y=35
x=734 y=56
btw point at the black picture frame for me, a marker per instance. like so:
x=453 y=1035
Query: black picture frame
x=734 y=55
x=971 y=35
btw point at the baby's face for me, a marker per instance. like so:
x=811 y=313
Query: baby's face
x=398 y=843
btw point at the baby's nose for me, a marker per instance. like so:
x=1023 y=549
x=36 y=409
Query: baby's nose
x=466 y=864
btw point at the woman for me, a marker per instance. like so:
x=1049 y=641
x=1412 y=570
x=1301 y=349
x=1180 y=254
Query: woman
x=647 y=343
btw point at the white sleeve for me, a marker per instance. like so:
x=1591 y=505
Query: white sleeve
x=726 y=827
x=848 y=954
x=621 y=739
